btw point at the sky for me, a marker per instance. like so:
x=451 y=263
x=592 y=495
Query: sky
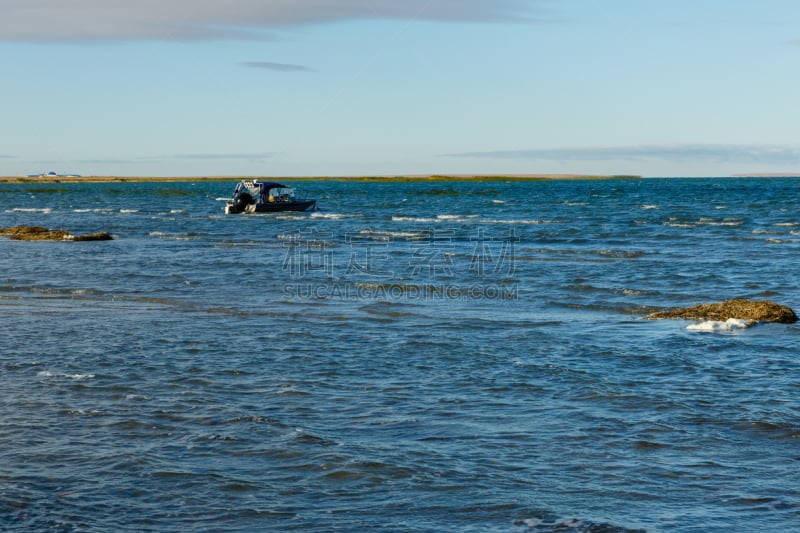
x=384 y=87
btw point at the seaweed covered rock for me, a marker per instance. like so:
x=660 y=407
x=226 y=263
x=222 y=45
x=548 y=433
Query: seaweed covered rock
x=38 y=233
x=98 y=236
x=738 y=308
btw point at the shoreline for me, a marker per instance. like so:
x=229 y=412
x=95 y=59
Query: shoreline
x=372 y=179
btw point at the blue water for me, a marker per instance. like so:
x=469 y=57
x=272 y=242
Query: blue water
x=410 y=357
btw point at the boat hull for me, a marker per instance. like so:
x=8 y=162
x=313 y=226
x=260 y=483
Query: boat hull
x=276 y=207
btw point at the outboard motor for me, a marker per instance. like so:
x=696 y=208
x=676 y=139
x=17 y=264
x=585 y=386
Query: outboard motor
x=240 y=202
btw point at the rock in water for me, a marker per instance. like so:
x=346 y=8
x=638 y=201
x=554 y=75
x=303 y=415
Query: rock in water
x=761 y=311
x=99 y=236
x=37 y=233
x=34 y=233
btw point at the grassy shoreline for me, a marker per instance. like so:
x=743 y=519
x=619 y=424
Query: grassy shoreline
x=373 y=179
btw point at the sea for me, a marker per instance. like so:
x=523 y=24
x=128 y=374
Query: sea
x=427 y=356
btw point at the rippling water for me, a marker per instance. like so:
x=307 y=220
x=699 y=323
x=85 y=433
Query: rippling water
x=410 y=357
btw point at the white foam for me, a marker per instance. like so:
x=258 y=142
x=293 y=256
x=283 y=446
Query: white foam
x=31 y=210
x=413 y=219
x=515 y=221
x=48 y=374
x=724 y=222
x=78 y=376
x=333 y=216
x=719 y=326
x=649 y=206
x=390 y=234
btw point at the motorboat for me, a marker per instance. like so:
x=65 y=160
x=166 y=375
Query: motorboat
x=253 y=196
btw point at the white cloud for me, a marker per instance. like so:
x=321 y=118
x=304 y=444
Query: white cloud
x=676 y=153
x=120 y=20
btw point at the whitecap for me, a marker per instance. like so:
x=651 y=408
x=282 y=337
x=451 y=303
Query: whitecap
x=137 y=397
x=414 y=219
x=498 y=201
x=724 y=222
x=389 y=234
x=517 y=221
x=649 y=206
x=719 y=326
x=44 y=210
x=332 y=216
x=128 y=211
x=78 y=376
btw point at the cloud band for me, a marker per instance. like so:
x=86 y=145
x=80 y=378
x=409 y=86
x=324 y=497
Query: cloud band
x=122 y=20
x=718 y=153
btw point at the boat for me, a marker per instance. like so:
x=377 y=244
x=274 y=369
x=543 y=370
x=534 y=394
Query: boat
x=253 y=196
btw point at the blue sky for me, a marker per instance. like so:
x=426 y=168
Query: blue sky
x=380 y=87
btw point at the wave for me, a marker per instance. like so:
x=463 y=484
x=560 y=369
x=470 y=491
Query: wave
x=570 y=525
x=389 y=235
x=612 y=290
x=177 y=236
x=77 y=377
x=718 y=326
x=53 y=291
x=688 y=224
x=474 y=219
x=42 y=210
x=334 y=216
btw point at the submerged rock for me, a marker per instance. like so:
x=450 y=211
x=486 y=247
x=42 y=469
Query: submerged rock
x=738 y=308
x=38 y=233
x=98 y=236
